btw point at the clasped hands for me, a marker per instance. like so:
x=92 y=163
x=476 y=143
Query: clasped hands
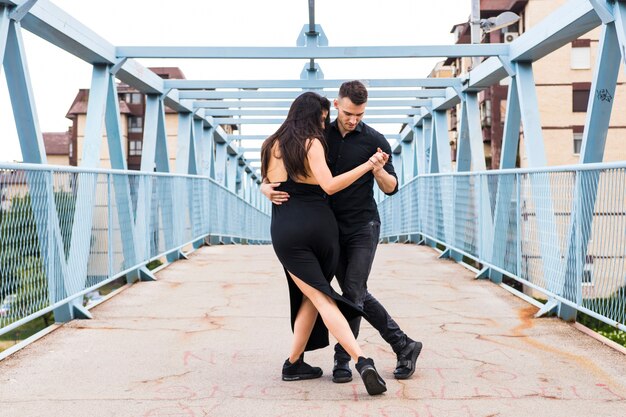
x=378 y=160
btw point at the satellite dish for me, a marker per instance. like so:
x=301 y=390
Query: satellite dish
x=502 y=20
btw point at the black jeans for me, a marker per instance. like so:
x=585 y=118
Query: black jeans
x=355 y=262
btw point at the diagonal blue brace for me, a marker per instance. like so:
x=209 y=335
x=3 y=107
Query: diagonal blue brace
x=33 y=151
x=481 y=186
x=602 y=10
x=5 y=23
x=121 y=183
x=549 y=307
x=22 y=10
x=592 y=151
x=483 y=273
x=145 y=274
x=86 y=196
x=507 y=184
x=540 y=188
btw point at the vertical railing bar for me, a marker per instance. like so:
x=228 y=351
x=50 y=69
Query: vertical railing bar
x=518 y=221
x=110 y=225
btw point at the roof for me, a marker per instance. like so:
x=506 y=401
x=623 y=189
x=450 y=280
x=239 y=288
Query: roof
x=169 y=73
x=57 y=143
x=79 y=106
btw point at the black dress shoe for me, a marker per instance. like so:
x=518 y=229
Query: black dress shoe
x=342 y=372
x=406 y=360
x=374 y=384
x=300 y=370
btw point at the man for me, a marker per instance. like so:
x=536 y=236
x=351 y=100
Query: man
x=350 y=143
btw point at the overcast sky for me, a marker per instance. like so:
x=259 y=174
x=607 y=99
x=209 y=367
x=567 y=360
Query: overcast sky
x=56 y=75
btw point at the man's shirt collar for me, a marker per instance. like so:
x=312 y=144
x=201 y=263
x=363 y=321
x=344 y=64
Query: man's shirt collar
x=358 y=128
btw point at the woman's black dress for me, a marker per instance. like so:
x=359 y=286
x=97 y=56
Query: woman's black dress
x=306 y=240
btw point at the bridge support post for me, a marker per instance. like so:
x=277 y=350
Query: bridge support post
x=74 y=310
x=198 y=243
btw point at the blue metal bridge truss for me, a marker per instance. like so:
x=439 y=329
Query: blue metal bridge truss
x=70 y=230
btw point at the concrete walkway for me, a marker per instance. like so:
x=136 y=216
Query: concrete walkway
x=210 y=336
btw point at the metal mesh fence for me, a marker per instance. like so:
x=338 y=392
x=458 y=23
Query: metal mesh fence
x=562 y=231
x=64 y=232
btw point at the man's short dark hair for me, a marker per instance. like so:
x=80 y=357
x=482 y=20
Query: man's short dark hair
x=355 y=91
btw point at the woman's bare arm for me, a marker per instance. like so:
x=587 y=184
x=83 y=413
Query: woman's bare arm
x=321 y=172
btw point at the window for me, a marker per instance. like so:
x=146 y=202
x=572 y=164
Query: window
x=485 y=113
x=134 y=147
x=581 y=54
x=71 y=150
x=135 y=124
x=578 y=139
x=580 y=96
x=132 y=98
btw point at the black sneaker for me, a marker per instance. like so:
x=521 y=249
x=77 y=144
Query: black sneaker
x=342 y=372
x=300 y=370
x=374 y=384
x=406 y=360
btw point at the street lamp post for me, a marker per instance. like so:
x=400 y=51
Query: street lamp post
x=475 y=28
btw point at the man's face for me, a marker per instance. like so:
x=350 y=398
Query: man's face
x=348 y=114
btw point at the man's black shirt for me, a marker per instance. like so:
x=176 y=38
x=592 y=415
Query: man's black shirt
x=355 y=206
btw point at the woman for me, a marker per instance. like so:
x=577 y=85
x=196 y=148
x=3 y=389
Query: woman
x=305 y=237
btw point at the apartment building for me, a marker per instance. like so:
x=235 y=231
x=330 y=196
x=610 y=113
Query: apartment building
x=563 y=81
x=66 y=148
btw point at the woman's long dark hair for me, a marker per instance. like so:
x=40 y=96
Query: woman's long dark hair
x=304 y=121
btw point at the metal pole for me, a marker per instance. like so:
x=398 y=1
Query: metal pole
x=311 y=29
x=311 y=16
x=475 y=28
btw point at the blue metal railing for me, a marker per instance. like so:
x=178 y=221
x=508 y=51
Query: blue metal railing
x=57 y=244
x=560 y=230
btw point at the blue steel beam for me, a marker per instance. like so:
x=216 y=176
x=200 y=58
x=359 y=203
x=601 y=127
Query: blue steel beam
x=185 y=144
x=442 y=141
x=463 y=148
x=481 y=190
x=619 y=11
x=541 y=191
x=262 y=94
x=21 y=94
x=224 y=104
x=320 y=52
x=602 y=96
x=309 y=84
x=606 y=72
x=450 y=99
x=83 y=222
x=509 y=184
x=475 y=132
x=32 y=147
x=51 y=23
x=333 y=113
x=121 y=185
x=389 y=136
x=424 y=151
x=20 y=11
x=565 y=24
x=604 y=12
x=250 y=121
x=5 y=22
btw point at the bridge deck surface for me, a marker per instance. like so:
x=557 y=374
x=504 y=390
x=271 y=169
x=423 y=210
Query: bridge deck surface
x=209 y=338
